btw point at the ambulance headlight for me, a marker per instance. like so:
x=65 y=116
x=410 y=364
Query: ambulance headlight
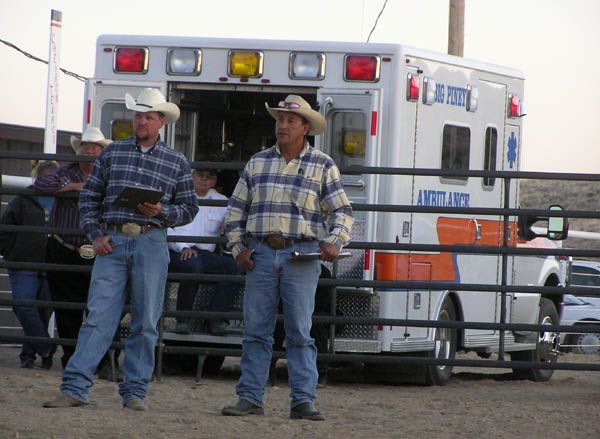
x=245 y=64
x=184 y=61
x=472 y=98
x=304 y=65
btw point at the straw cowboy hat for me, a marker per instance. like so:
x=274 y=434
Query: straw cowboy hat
x=295 y=104
x=150 y=99
x=91 y=135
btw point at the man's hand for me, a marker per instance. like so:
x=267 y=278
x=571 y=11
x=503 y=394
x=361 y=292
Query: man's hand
x=149 y=209
x=328 y=251
x=244 y=259
x=102 y=245
x=188 y=253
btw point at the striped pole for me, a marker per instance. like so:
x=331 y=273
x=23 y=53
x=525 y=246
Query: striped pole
x=52 y=91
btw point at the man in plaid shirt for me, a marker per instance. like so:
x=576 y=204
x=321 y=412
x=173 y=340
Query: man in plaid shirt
x=131 y=248
x=289 y=199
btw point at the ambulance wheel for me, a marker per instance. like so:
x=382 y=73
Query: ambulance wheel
x=545 y=351
x=212 y=364
x=445 y=347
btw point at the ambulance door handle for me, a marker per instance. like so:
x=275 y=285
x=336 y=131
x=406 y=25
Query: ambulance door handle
x=358 y=183
x=477 y=230
x=327 y=104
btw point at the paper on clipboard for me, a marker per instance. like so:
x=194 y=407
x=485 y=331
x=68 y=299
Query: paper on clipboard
x=132 y=196
x=297 y=256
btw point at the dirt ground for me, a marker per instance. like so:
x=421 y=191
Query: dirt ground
x=476 y=403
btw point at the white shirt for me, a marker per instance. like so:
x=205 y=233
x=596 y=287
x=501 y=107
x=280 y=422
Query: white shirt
x=207 y=222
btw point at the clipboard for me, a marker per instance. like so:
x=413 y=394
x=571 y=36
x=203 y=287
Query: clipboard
x=131 y=196
x=297 y=256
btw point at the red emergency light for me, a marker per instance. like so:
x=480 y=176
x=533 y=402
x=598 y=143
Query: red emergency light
x=514 y=104
x=412 y=87
x=361 y=68
x=131 y=60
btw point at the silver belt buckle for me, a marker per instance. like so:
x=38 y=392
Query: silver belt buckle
x=131 y=229
x=86 y=251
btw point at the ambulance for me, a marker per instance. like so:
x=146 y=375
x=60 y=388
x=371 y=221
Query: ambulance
x=386 y=105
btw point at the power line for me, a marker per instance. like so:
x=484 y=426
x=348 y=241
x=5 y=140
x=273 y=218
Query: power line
x=35 y=58
x=376 y=20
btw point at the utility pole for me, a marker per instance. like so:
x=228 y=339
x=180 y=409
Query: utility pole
x=456 y=27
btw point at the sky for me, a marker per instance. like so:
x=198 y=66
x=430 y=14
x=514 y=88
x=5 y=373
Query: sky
x=555 y=43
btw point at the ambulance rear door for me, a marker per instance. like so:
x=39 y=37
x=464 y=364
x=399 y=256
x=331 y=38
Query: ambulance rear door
x=351 y=139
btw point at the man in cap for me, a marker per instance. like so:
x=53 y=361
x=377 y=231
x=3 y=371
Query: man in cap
x=64 y=248
x=131 y=248
x=288 y=198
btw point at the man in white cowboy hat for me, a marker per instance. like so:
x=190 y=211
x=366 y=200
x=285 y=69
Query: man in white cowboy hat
x=288 y=198
x=63 y=248
x=131 y=248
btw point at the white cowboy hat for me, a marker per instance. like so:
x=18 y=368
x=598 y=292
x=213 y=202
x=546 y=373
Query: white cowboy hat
x=295 y=104
x=151 y=99
x=91 y=135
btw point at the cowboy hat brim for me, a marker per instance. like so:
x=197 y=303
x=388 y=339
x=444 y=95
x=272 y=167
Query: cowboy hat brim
x=170 y=110
x=76 y=143
x=315 y=119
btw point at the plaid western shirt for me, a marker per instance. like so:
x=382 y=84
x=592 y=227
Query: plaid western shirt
x=300 y=199
x=123 y=164
x=65 y=213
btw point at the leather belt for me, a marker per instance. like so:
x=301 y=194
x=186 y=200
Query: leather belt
x=86 y=251
x=277 y=242
x=130 y=229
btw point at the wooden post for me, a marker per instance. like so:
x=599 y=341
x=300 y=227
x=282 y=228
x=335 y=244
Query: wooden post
x=456 y=27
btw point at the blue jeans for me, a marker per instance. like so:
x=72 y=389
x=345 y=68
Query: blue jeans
x=138 y=266
x=31 y=285
x=208 y=263
x=275 y=277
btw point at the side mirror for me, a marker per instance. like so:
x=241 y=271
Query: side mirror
x=557 y=226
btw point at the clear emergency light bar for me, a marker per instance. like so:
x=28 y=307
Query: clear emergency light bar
x=307 y=65
x=472 y=98
x=245 y=64
x=363 y=68
x=130 y=60
x=182 y=61
x=429 y=86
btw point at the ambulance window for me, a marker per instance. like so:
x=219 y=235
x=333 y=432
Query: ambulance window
x=348 y=138
x=489 y=161
x=115 y=121
x=456 y=145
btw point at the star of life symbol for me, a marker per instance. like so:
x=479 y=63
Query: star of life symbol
x=512 y=149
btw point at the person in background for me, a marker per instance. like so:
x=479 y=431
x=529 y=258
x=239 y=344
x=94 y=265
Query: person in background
x=199 y=257
x=29 y=210
x=71 y=286
x=289 y=198
x=131 y=249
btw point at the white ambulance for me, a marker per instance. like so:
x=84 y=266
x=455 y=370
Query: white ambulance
x=386 y=105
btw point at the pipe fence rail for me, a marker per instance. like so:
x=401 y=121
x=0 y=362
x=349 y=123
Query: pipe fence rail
x=367 y=287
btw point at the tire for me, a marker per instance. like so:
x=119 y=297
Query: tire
x=212 y=364
x=545 y=350
x=445 y=347
x=586 y=343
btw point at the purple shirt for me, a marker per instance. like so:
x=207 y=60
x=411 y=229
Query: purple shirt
x=65 y=213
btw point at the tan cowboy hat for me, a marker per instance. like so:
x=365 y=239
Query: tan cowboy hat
x=151 y=99
x=91 y=135
x=295 y=104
